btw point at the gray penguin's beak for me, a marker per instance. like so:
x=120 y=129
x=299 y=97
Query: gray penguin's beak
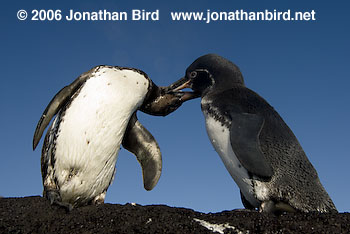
x=178 y=86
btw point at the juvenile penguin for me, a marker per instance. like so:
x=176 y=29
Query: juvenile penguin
x=258 y=149
x=95 y=115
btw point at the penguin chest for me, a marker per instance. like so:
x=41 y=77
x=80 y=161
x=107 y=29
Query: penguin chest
x=91 y=130
x=219 y=135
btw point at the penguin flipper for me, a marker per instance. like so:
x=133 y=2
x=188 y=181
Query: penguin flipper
x=244 y=136
x=246 y=203
x=59 y=100
x=139 y=141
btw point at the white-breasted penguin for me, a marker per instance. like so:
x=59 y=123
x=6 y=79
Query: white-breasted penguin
x=95 y=115
x=258 y=149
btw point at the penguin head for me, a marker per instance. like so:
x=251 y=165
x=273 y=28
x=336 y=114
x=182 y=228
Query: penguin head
x=209 y=72
x=160 y=102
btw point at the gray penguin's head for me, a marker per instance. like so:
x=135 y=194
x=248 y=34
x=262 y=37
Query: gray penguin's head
x=207 y=72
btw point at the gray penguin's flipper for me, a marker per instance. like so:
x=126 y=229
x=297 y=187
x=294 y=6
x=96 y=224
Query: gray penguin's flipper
x=56 y=104
x=244 y=135
x=139 y=141
x=246 y=203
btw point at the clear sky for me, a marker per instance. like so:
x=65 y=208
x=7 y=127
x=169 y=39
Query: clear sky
x=301 y=68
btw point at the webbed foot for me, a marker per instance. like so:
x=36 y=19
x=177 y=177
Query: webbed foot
x=99 y=199
x=276 y=207
x=55 y=199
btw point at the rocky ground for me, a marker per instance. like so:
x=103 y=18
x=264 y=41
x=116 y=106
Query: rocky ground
x=35 y=215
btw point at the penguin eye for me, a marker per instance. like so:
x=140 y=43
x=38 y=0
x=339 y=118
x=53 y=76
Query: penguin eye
x=193 y=74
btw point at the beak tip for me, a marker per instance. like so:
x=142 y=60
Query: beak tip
x=183 y=84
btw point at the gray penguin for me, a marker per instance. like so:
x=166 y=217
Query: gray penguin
x=258 y=149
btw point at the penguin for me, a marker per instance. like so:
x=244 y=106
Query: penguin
x=258 y=149
x=94 y=116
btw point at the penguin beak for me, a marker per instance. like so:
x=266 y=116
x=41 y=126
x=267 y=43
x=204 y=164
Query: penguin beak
x=178 y=86
x=183 y=83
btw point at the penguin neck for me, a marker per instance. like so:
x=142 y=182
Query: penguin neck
x=153 y=93
x=220 y=87
x=210 y=109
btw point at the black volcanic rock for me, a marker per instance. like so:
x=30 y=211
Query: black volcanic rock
x=35 y=215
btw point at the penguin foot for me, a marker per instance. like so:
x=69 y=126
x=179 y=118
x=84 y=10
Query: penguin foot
x=55 y=199
x=100 y=199
x=245 y=210
x=276 y=208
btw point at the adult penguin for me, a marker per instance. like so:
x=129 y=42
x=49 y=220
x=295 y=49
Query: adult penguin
x=95 y=115
x=258 y=149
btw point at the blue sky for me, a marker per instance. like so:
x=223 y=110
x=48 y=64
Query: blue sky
x=300 y=68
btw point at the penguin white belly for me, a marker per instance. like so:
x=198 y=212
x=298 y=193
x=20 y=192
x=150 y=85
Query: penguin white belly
x=92 y=129
x=219 y=136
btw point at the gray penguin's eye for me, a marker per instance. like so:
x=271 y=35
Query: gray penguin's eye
x=193 y=74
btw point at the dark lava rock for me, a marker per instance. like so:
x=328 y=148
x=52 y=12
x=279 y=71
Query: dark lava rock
x=35 y=215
